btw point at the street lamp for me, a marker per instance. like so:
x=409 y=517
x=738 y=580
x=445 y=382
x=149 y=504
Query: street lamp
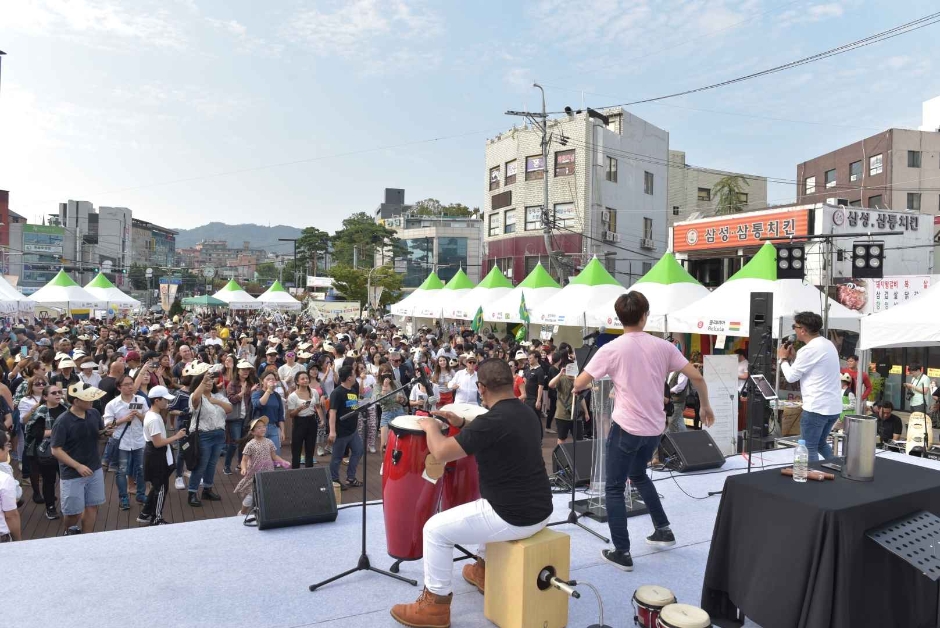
x=294 y=240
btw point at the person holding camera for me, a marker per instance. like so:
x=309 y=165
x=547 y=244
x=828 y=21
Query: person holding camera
x=304 y=408
x=563 y=384
x=918 y=389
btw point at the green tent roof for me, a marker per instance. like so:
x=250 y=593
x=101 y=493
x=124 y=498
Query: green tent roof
x=539 y=278
x=667 y=271
x=276 y=287
x=495 y=279
x=594 y=274
x=100 y=282
x=433 y=282
x=762 y=266
x=62 y=279
x=232 y=285
x=204 y=301
x=460 y=281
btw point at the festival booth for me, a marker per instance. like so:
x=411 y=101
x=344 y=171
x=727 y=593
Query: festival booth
x=236 y=298
x=914 y=324
x=203 y=301
x=494 y=286
x=116 y=300
x=63 y=294
x=426 y=291
x=667 y=286
x=432 y=306
x=536 y=288
x=277 y=298
x=12 y=301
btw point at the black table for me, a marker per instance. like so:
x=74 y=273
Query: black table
x=792 y=555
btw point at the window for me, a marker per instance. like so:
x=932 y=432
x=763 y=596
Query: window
x=874 y=165
x=913 y=200
x=564 y=163
x=509 y=221
x=533 y=218
x=504 y=264
x=494 y=224
x=610 y=264
x=831 y=178
x=497 y=201
x=494 y=178
x=648 y=183
x=855 y=171
x=704 y=194
x=565 y=217
x=532 y=260
x=647 y=266
x=648 y=228
x=913 y=159
x=611 y=169
x=675 y=210
x=857 y=203
x=742 y=197
x=510 y=172
x=874 y=202
x=809 y=186
x=611 y=223
x=534 y=168
x=451 y=257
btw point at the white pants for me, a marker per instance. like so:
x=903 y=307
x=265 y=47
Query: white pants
x=473 y=523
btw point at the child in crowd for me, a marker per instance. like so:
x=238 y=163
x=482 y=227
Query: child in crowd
x=258 y=454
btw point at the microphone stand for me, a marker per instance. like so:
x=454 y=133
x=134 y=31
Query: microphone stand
x=364 y=564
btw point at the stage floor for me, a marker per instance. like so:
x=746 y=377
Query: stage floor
x=219 y=572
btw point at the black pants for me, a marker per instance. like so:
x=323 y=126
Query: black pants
x=303 y=437
x=49 y=472
x=157 y=472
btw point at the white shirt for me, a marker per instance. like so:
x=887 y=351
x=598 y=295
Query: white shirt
x=681 y=383
x=8 y=488
x=117 y=408
x=742 y=372
x=286 y=373
x=922 y=382
x=465 y=385
x=294 y=401
x=211 y=416
x=816 y=367
x=213 y=341
x=93 y=379
x=153 y=425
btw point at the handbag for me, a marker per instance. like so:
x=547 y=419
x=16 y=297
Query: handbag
x=191 y=446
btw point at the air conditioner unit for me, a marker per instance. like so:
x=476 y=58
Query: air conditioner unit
x=836 y=202
x=605 y=215
x=616 y=236
x=647 y=243
x=609 y=236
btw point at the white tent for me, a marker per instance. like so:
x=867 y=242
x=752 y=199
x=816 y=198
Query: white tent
x=277 y=298
x=106 y=291
x=493 y=286
x=913 y=324
x=432 y=305
x=63 y=293
x=236 y=297
x=424 y=293
x=590 y=291
x=538 y=287
x=12 y=300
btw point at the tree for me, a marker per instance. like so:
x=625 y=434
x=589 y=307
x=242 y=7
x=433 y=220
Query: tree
x=312 y=244
x=433 y=207
x=266 y=272
x=361 y=233
x=138 y=277
x=727 y=194
x=352 y=283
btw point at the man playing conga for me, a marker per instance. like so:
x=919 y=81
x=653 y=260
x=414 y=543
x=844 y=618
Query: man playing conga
x=516 y=497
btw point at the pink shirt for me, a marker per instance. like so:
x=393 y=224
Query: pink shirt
x=638 y=365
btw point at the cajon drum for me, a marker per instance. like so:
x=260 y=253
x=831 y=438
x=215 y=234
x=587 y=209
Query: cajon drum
x=513 y=598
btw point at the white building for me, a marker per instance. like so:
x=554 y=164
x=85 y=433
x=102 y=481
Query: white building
x=931 y=115
x=96 y=239
x=691 y=189
x=607 y=184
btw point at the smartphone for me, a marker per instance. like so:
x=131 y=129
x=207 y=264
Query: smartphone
x=24 y=351
x=832 y=465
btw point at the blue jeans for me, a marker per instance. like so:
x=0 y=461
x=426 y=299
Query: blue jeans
x=274 y=434
x=235 y=433
x=210 y=448
x=627 y=457
x=131 y=462
x=814 y=429
x=339 y=449
x=111 y=449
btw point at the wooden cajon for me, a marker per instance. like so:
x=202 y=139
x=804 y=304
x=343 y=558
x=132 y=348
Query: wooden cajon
x=513 y=598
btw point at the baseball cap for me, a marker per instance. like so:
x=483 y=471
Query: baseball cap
x=160 y=392
x=132 y=356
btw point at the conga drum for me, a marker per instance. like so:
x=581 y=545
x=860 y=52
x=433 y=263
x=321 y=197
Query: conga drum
x=461 y=477
x=410 y=496
x=683 y=616
x=648 y=602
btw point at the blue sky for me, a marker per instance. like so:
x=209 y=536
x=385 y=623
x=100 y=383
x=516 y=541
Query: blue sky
x=302 y=111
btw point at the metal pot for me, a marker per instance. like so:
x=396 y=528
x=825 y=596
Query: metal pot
x=860 y=438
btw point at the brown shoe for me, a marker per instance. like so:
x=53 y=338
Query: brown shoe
x=429 y=611
x=475 y=574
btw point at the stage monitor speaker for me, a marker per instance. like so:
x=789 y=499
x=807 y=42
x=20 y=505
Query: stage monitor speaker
x=760 y=338
x=562 y=457
x=294 y=497
x=693 y=450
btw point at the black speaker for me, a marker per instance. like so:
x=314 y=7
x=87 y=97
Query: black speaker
x=760 y=348
x=563 y=455
x=294 y=497
x=694 y=450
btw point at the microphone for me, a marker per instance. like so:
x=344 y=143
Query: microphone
x=789 y=340
x=547 y=579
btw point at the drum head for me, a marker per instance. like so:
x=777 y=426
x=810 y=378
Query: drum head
x=408 y=423
x=654 y=596
x=684 y=616
x=466 y=411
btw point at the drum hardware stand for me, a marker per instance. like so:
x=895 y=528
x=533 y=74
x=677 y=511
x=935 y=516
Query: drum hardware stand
x=364 y=564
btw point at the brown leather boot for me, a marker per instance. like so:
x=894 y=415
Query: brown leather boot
x=475 y=574
x=428 y=611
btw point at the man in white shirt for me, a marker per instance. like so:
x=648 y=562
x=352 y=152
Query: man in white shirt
x=465 y=383
x=9 y=515
x=126 y=413
x=817 y=369
x=919 y=387
x=213 y=338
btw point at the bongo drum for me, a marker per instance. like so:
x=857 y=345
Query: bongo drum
x=648 y=602
x=461 y=477
x=410 y=493
x=683 y=616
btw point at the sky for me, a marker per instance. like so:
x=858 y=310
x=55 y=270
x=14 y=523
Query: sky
x=302 y=112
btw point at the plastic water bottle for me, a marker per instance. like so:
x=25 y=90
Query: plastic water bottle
x=801 y=462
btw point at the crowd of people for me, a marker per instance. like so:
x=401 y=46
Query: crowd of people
x=82 y=399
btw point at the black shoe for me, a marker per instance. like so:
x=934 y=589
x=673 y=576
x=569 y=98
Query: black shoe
x=209 y=495
x=73 y=530
x=618 y=559
x=159 y=522
x=144 y=519
x=194 y=500
x=38 y=498
x=227 y=470
x=51 y=514
x=662 y=538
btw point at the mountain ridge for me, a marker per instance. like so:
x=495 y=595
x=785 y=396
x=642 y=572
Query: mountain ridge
x=260 y=236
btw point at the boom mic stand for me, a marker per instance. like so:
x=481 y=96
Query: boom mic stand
x=364 y=564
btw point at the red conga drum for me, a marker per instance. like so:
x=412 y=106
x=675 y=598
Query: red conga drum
x=409 y=496
x=461 y=477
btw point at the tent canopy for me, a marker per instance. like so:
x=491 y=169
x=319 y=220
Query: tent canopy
x=103 y=289
x=589 y=291
x=278 y=298
x=493 y=286
x=432 y=306
x=537 y=287
x=236 y=297
x=725 y=311
x=406 y=306
x=62 y=292
x=204 y=301
x=913 y=324
x=12 y=300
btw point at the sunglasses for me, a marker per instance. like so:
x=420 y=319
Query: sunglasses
x=39 y=385
x=471 y=361
x=55 y=392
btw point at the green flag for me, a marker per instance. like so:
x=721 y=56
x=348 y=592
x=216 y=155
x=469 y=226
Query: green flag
x=477 y=324
x=523 y=331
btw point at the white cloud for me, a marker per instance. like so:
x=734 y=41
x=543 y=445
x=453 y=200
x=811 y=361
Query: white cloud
x=811 y=13
x=230 y=26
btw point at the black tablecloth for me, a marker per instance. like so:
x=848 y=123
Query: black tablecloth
x=792 y=555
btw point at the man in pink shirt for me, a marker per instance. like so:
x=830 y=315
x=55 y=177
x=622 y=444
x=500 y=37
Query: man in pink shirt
x=638 y=364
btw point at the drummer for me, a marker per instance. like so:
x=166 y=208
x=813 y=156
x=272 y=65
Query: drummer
x=516 y=497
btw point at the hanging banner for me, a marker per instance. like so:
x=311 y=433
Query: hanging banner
x=168 y=288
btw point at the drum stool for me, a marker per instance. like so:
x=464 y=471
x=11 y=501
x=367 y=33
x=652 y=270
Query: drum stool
x=513 y=598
